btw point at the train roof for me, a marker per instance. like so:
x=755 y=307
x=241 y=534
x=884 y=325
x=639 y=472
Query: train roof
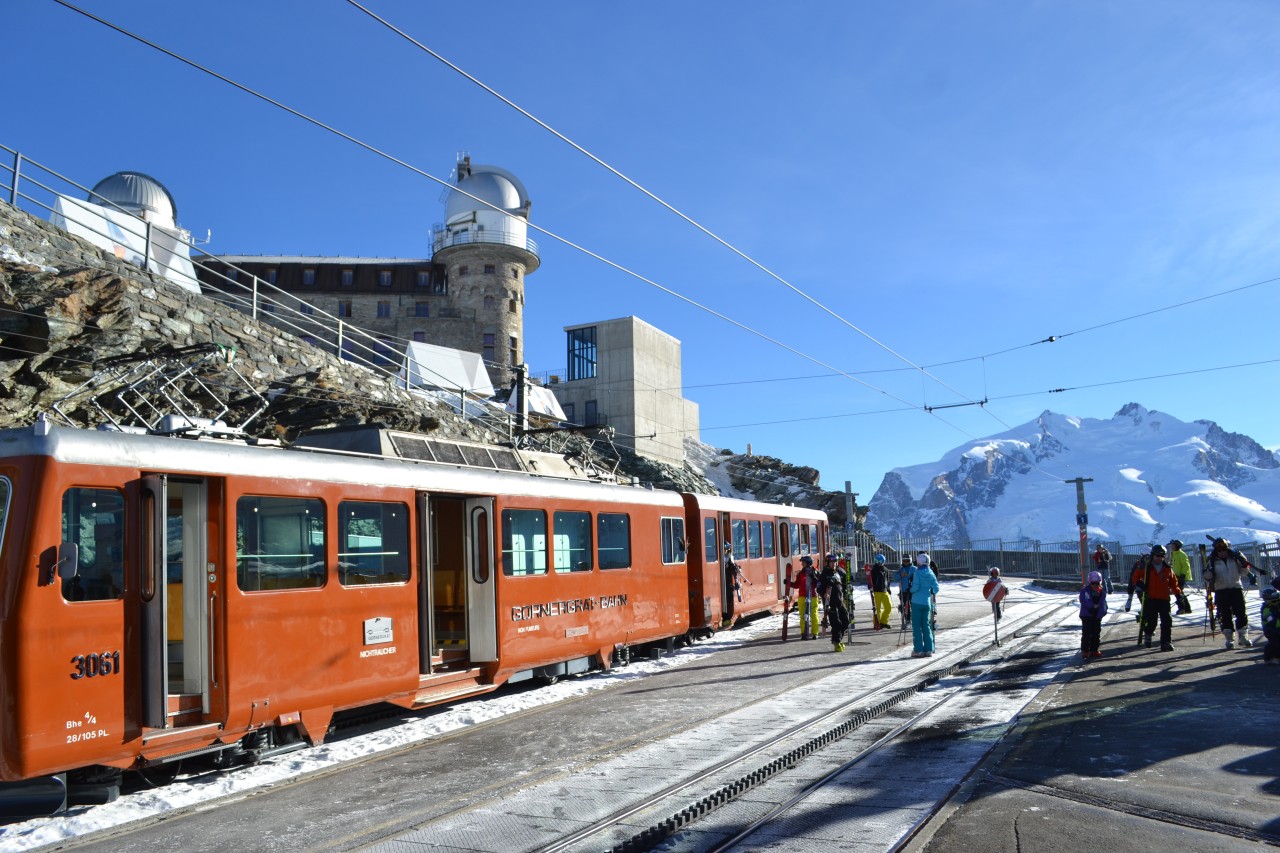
x=222 y=457
x=722 y=504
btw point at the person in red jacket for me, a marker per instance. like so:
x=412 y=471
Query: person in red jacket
x=1159 y=585
x=806 y=587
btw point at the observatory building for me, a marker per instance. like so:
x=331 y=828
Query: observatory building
x=469 y=295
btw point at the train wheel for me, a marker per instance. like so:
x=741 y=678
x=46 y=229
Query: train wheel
x=161 y=774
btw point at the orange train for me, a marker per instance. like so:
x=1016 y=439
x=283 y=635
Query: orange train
x=165 y=599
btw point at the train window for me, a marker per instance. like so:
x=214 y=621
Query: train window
x=280 y=543
x=766 y=537
x=814 y=542
x=571 y=541
x=739 y=539
x=797 y=547
x=524 y=542
x=673 y=544
x=709 y=551
x=613 y=530
x=94 y=520
x=373 y=543
x=6 y=490
x=753 y=539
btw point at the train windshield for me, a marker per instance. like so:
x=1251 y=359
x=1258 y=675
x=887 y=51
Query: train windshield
x=5 y=491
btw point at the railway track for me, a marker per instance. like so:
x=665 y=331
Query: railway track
x=629 y=803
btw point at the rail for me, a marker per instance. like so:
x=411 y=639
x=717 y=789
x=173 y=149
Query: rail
x=245 y=292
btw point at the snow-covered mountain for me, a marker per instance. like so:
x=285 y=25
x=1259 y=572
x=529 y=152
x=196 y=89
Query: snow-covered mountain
x=1155 y=477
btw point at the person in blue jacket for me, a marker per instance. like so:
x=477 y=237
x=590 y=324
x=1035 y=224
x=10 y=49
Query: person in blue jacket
x=924 y=586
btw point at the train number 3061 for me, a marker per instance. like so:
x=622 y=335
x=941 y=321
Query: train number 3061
x=88 y=666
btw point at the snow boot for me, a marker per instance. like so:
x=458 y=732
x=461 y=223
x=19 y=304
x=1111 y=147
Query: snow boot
x=1147 y=642
x=1243 y=639
x=1231 y=643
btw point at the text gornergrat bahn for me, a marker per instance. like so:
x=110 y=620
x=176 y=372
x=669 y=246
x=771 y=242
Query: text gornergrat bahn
x=170 y=599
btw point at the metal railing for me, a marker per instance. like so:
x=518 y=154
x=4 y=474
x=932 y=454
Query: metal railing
x=244 y=292
x=443 y=238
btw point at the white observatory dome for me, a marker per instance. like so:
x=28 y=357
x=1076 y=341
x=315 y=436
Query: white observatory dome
x=139 y=194
x=491 y=184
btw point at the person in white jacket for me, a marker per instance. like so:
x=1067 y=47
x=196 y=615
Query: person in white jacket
x=1224 y=573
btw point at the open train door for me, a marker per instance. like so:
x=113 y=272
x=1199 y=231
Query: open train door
x=178 y=594
x=482 y=599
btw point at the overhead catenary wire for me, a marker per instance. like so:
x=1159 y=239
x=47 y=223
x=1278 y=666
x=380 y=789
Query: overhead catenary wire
x=542 y=230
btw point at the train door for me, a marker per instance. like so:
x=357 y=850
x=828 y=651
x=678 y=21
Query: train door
x=482 y=598
x=178 y=595
x=458 y=602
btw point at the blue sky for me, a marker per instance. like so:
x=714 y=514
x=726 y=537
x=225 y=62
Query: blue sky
x=953 y=179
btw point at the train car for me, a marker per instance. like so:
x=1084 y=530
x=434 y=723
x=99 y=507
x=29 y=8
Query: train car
x=760 y=538
x=165 y=598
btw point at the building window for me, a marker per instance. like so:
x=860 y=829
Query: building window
x=490 y=269
x=344 y=308
x=348 y=278
x=271 y=276
x=308 y=278
x=310 y=340
x=384 y=309
x=511 y=346
x=232 y=274
x=582 y=353
x=515 y=273
x=268 y=308
x=568 y=412
x=489 y=344
x=511 y=306
x=384 y=278
x=462 y=270
x=421 y=309
x=490 y=303
x=420 y=337
x=306 y=308
x=424 y=278
x=440 y=285
x=591 y=417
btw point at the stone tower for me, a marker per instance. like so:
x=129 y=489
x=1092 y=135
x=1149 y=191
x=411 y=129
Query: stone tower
x=485 y=250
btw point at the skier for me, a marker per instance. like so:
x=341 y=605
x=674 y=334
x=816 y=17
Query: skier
x=1271 y=625
x=805 y=585
x=1136 y=577
x=1102 y=562
x=1223 y=573
x=904 y=590
x=994 y=591
x=880 y=592
x=1159 y=585
x=1093 y=606
x=924 y=586
x=734 y=573
x=831 y=590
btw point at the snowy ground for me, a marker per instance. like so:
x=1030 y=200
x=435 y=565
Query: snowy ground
x=37 y=833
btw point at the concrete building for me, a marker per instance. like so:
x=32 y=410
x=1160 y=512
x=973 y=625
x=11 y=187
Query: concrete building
x=626 y=374
x=469 y=295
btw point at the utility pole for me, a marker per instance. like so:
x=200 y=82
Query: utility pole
x=1082 y=519
x=851 y=516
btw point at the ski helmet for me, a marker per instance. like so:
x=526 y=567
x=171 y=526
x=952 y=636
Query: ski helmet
x=995 y=571
x=806 y=560
x=879 y=560
x=1157 y=551
x=1221 y=543
x=906 y=560
x=1270 y=595
x=1176 y=544
x=922 y=559
x=1095 y=577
